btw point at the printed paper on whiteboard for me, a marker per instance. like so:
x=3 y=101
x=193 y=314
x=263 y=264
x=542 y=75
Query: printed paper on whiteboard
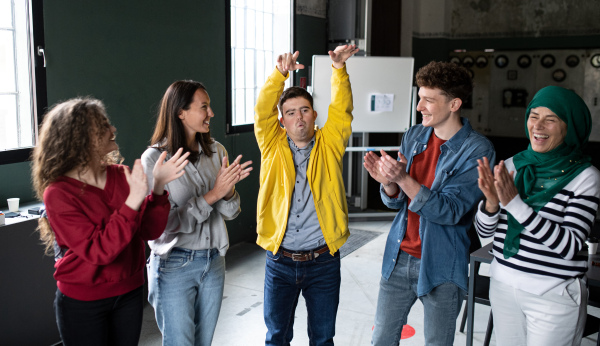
x=382 y=102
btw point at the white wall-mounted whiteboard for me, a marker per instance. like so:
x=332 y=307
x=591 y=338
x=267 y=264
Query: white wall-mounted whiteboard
x=368 y=76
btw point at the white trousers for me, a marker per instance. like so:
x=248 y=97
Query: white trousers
x=522 y=318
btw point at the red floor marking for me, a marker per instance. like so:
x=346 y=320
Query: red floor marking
x=407 y=332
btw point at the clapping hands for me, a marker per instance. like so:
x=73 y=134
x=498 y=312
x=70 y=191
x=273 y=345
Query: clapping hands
x=498 y=187
x=385 y=169
x=138 y=185
x=163 y=172
x=166 y=171
x=228 y=176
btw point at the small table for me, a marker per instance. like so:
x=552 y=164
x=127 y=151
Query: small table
x=483 y=256
x=477 y=257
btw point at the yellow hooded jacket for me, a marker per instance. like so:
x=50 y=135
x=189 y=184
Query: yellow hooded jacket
x=324 y=172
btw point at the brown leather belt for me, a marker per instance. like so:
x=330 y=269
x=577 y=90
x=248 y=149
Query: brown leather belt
x=303 y=256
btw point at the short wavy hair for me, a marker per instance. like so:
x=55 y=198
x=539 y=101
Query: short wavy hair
x=292 y=93
x=69 y=138
x=454 y=81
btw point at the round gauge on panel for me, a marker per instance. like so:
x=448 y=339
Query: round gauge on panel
x=468 y=61
x=455 y=60
x=481 y=61
x=559 y=75
x=595 y=60
x=572 y=60
x=501 y=61
x=524 y=61
x=548 y=60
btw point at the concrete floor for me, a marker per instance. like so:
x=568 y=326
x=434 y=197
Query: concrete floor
x=241 y=319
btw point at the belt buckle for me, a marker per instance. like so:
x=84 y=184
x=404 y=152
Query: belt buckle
x=298 y=257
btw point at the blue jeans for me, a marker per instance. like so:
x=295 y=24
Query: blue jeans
x=318 y=280
x=398 y=294
x=103 y=322
x=186 y=291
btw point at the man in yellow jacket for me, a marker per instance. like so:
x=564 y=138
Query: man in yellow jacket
x=302 y=216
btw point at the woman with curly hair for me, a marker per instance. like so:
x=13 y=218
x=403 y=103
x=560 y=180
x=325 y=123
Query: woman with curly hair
x=186 y=271
x=98 y=216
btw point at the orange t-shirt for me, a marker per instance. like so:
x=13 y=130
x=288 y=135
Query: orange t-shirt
x=423 y=171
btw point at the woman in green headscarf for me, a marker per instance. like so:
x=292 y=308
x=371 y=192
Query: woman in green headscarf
x=540 y=206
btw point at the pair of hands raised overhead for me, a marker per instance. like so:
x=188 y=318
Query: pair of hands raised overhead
x=288 y=61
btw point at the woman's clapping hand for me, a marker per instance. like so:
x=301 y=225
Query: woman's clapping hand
x=166 y=171
x=228 y=176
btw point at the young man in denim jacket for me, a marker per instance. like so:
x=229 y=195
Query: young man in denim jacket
x=433 y=184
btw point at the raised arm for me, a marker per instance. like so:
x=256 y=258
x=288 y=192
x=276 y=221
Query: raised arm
x=288 y=62
x=266 y=124
x=341 y=54
x=337 y=129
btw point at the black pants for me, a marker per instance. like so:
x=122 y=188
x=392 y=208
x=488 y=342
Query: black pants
x=110 y=321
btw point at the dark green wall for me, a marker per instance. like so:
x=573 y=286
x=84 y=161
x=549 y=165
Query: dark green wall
x=127 y=53
x=15 y=181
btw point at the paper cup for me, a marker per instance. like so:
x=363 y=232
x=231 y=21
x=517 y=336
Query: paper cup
x=13 y=204
x=592 y=247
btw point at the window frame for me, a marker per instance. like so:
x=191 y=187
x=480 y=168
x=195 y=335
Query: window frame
x=229 y=127
x=39 y=95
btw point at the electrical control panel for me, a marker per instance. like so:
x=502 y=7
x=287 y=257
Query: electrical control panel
x=506 y=81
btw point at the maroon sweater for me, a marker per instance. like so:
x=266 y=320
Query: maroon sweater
x=104 y=238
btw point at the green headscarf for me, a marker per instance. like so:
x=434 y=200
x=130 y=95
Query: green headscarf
x=540 y=176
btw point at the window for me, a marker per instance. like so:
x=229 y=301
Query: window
x=18 y=103
x=260 y=30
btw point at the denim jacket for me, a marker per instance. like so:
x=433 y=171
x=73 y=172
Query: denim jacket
x=445 y=210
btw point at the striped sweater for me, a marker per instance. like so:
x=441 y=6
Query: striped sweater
x=551 y=238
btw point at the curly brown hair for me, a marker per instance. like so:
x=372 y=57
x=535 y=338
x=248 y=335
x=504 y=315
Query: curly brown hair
x=454 y=81
x=69 y=139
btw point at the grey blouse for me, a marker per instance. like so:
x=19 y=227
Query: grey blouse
x=193 y=223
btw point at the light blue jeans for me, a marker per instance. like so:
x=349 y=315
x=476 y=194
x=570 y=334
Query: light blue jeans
x=397 y=296
x=186 y=291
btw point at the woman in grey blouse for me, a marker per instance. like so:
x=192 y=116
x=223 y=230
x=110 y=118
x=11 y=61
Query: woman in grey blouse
x=186 y=270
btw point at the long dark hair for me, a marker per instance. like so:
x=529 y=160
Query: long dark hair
x=169 y=133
